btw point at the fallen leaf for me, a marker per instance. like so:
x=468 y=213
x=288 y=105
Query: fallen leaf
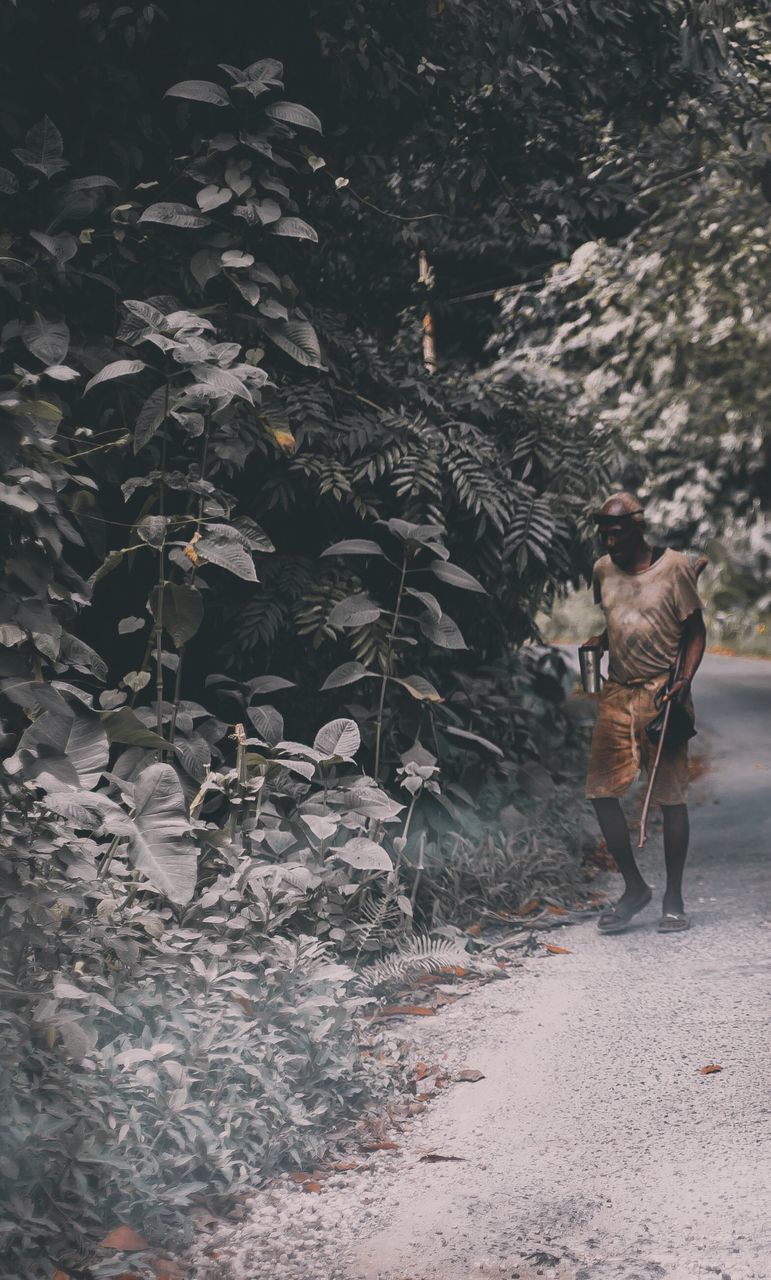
x=345 y=1165
x=529 y=907
x=711 y=1069
x=125 y=1239
x=474 y=929
x=300 y=1177
x=312 y=1186
x=167 y=1269
x=555 y=909
x=555 y=951
x=422 y=1069
x=457 y=970
x=379 y=1146
x=435 y=1157
x=470 y=1074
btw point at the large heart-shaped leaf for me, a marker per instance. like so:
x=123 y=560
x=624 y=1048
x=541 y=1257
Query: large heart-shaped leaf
x=160 y=844
x=364 y=855
x=62 y=748
x=182 y=610
x=49 y=340
x=340 y=739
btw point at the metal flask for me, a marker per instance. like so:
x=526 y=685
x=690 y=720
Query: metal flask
x=589 y=662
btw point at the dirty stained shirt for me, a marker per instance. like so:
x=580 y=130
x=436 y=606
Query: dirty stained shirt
x=645 y=613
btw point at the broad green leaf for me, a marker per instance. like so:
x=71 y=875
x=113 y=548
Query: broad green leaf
x=269 y=684
x=354 y=547
x=322 y=826
x=84 y=808
x=152 y=316
x=204 y=265
x=212 y=196
x=117 y=369
x=295 y=227
x=150 y=417
x=428 y=600
x=226 y=555
x=298 y=338
x=340 y=739
x=124 y=726
x=13 y=496
x=160 y=843
x=199 y=91
x=71 y=748
x=348 y=673
x=294 y=113
x=43 y=149
x=268 y=723
x=445 y=632
x=170 y=214
x=62 y=247
x=419 y=688
x=354 y=611
x=49 y=340
x=152 y=530
x=363 y=855
x=456 y=576
x=182 y=610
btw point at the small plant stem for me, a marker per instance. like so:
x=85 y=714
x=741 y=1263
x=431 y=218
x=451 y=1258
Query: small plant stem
x=177 y=695
x=419 y=872
x=108 y=857
x=387 y=671
x=181 y=652
x=161 y=587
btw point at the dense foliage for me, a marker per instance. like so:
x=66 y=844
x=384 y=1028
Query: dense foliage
x=263 y=571
x=662 y=338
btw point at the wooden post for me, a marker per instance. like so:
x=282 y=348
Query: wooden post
x=425 y=277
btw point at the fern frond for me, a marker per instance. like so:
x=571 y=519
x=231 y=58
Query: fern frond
x=421 y=954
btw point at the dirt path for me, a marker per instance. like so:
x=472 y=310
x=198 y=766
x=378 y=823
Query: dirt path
x=593 y=1148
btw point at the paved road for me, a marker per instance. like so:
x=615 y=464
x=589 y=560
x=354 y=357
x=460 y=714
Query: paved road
x=593 y=1144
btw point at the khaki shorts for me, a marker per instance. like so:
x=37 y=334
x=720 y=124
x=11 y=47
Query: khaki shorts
x=621 y=747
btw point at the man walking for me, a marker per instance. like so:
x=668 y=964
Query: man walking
x=652 y=612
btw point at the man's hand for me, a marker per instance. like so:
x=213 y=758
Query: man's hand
x=594 y=642
x=679 y=692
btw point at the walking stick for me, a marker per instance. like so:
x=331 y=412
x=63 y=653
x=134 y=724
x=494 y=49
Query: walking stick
x=699 y=566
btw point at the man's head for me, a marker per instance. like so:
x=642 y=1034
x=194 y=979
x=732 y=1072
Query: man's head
x=621 y=528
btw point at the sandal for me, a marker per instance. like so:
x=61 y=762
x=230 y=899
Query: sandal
x=674 y=922
x=616 y=917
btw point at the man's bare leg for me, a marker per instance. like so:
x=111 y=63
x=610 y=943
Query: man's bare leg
x=614 y=827
x=676 y=833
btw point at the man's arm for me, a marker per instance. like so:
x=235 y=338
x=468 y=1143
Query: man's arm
x=694 y=643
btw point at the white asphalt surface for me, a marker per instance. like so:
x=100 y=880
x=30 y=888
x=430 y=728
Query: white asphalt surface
x=594 y=1149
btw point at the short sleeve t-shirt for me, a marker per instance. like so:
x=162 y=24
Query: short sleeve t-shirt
x=645 y=613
